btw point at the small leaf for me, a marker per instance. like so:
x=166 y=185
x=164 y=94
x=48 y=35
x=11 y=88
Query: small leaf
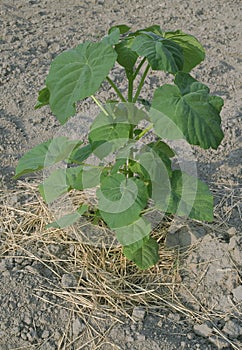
x=43 y=98
x=162 y=54
x=135 y=232
x=109 y=132
x=45 y=154
x=126 y=112
x=123 y=28
x=76 y=74
x=144 y=253
x=159 y=177
x=54 y=186
x=193 y=51
x=127 y=57
x=83 y=177
x=190 y=197
x=113 y=37
x=69 y=219
x=186 y=110
x=120 y=200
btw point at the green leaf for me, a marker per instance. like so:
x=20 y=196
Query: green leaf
x=156 y=29
x=190 y=197
x=120 y=200
x=79 y=155
x=193 y=51
x=69 y=219
x=162 y=54
x=113 y=37
x=76 y=74
x=83 y=177
x=135 y=232
x=45 y=154
x=123 y=28
x=144 y=253
x=109 y=132
x=159 y=177
x=43 y=98
x=126 y=56
x=126 y=112
x=186 y=110
x=54 y=186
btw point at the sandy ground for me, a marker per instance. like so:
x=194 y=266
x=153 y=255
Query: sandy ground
x=32 y=34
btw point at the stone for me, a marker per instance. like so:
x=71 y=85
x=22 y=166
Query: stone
x=138 y=313
x=218 y=342
x=231 y=231
x=77 y=327
x=68 y=281
x=140 y=337
x=233 y=329
x=237 y=293
x=203 y=329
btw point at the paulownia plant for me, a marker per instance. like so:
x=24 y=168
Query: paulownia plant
x=140 y=178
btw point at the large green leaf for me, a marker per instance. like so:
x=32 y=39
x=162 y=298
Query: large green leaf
x=135 y=232
x=186 y=110
x=190 y=197
x=193 y=51
x=69 y=219
x=144 y=252
x=120 y=200
x=162 y=54
x=76 y=74
x=46 y=154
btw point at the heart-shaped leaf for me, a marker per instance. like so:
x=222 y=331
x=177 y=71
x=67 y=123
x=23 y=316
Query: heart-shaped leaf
x=46 y=154
x=76 y=74
x=144 y=252
x=190 y=197
x=135 y=232
x=120 y=200
x=162 y=54
x=186 y=110
x=193 y=51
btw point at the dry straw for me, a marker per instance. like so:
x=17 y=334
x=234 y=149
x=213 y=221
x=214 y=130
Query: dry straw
x=108 y=285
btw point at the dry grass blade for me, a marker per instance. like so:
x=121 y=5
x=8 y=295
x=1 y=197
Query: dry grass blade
x=107 y=284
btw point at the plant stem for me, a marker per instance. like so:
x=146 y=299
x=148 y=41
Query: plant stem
x=130 y=89
x=116 y=89
x=141 y=83
x=139 y=67
x=99 y=105
x=144 y=132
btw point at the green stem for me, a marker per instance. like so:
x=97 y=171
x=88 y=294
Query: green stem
x=141 y=83
x=139 y=67
x=116 y=89
x=99 y=105
x=144 y=132
x=130 y=89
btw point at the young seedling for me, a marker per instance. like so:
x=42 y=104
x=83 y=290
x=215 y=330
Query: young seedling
x=140 y=178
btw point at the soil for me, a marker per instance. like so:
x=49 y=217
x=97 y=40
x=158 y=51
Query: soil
x=33 y=32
